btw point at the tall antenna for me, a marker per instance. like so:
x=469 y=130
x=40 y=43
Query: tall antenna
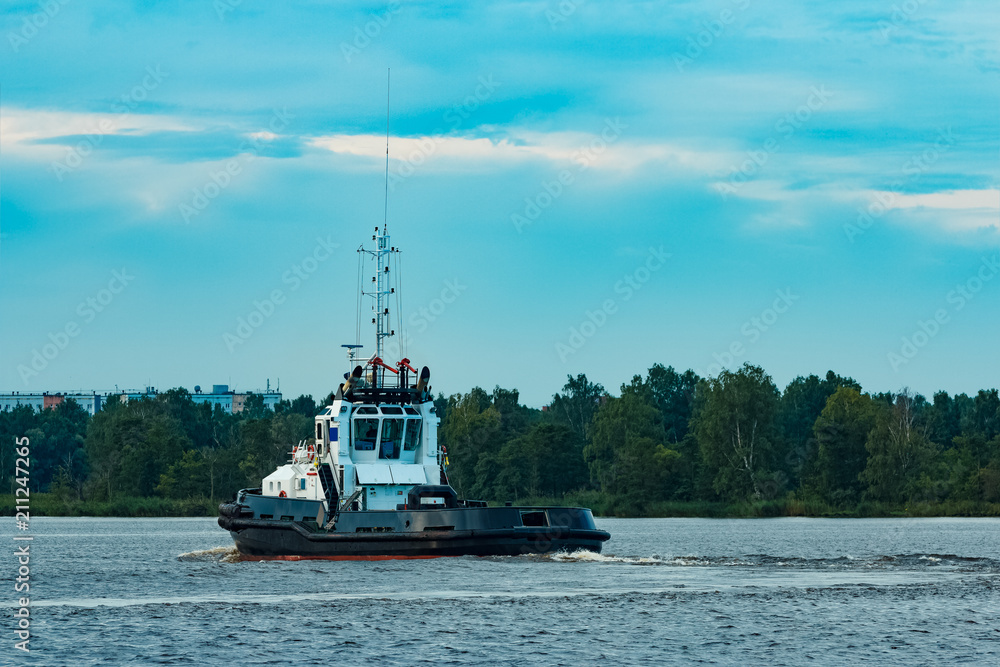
x=385 y=211
x=382 y=280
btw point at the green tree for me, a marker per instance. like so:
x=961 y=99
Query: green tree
x=254 y=408
x=982 y=417
x=627 y=452
x=470 y=430
x=305 y=406
x=673 y=394
x=943 y=420
x=262 y=445
x=104 y=452
x=545 y=461
x=185 y=478
x=801 y=404
x=14 y=423
x=149 y=447
x=63 y=427
x=841 y=431
x=194 y=418
x=734 y=422
x=441 y=404
x=514 y=417
x=578 y=404
x=130 y=446
x=899 y=453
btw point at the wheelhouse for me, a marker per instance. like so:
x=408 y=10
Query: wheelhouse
x=385 y=433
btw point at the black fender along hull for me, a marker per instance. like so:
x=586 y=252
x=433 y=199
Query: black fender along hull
x=401 y=534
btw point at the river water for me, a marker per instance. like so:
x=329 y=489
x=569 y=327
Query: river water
x=665 y=591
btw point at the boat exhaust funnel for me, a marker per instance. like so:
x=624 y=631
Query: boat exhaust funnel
x=425 y=376
x=352 y=380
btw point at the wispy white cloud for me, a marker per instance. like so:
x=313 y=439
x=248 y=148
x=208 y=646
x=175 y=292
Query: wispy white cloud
x=559 y=148
x=957 y=211
x=31 y=131
x=984 y=200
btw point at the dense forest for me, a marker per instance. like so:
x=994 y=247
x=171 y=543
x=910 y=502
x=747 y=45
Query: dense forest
x=670 y=443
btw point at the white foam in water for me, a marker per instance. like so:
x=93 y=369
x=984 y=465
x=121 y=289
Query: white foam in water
x=218 y=554
x=589 y=556
x=582 y=555
x=684 y=560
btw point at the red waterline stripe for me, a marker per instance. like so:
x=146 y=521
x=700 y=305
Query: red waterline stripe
x=244 y=557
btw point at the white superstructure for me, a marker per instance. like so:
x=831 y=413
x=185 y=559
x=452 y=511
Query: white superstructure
x=375 y=442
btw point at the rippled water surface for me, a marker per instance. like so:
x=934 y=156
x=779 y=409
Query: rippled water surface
x=777 y=591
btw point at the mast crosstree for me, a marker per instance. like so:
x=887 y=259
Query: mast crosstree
x=383 y=289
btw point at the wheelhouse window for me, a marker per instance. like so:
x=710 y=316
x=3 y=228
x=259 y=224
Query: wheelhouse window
x=391 y=431
x=365 y=434
x=319 y=431
x=412 y=439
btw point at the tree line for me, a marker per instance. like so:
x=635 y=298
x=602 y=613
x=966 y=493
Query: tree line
x=669 y=442
x=165 y=447
x=822 y=445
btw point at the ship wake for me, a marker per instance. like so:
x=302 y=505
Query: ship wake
x=845 y=562
x=218 y=555
x=584 y=556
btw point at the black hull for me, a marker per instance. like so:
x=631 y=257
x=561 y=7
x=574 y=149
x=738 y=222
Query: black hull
x=290 y=542
x=378 y=535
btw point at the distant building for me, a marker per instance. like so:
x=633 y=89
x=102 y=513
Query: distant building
x=89 y=401
x=233 y=402
x=92 y=401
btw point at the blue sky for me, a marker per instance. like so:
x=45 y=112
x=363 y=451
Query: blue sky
x=577 y=187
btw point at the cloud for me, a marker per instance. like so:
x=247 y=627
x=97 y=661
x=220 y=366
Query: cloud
x=985 y=200
x=43 y=133
x=189 y=146
x=50 y=135
x=601 y=150
x=958 y=211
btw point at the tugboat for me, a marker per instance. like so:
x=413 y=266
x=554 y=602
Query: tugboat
x=372 y=484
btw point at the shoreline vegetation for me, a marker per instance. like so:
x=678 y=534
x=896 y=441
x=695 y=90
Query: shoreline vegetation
x=669 y=444
x=51 y=505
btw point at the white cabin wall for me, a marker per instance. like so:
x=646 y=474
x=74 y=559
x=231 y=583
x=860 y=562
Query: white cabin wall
x=288 y=478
